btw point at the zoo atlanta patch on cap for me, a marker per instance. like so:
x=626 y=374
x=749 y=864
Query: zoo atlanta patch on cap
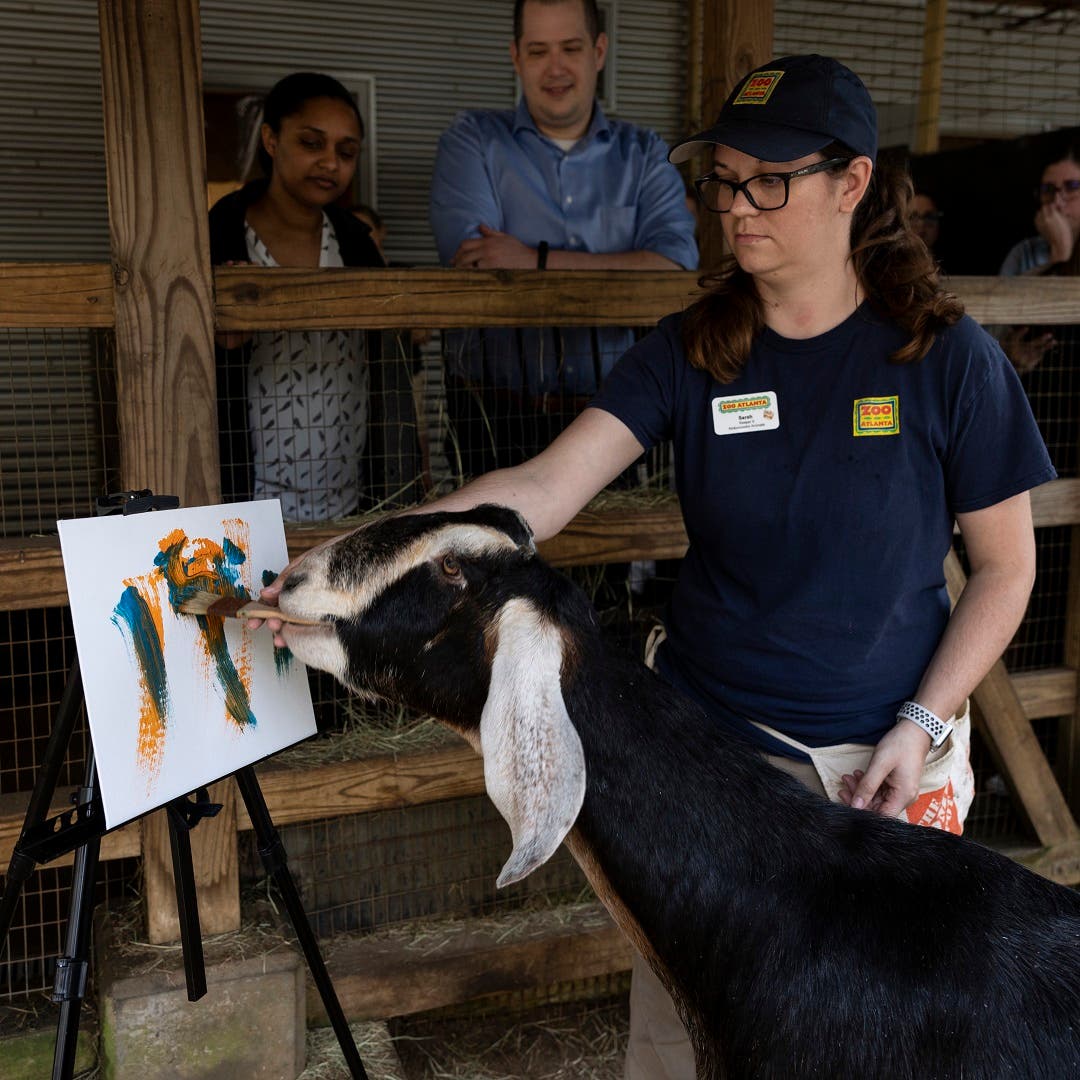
x=758 y=88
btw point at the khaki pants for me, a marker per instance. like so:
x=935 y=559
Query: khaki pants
x=659 y=1047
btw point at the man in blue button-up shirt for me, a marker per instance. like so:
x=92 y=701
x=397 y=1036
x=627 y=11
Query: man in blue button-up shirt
x=556 y=182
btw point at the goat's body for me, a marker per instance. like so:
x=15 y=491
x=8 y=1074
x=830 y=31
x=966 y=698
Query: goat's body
x=801 y=939
x=866 y=923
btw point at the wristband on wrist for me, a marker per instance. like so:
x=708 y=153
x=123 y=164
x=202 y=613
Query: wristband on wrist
x=931 y=723
x=541 y=255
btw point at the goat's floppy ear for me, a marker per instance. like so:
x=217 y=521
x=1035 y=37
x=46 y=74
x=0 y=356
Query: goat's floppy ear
x=534 y=767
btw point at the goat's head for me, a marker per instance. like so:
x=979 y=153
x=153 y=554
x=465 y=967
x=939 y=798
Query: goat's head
x=453 y=614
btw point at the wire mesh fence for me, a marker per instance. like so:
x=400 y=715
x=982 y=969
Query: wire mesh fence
x=58 y=437
x=367 y=872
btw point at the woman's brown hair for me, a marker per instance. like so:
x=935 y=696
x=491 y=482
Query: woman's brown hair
x=894 y=269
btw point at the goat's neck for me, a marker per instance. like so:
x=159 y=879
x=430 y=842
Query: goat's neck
x=671 y=820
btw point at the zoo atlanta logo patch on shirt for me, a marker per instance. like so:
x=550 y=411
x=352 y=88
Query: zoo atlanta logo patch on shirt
x=876 y=416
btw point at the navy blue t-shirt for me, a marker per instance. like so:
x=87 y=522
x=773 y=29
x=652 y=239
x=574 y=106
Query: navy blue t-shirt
x=819 y=491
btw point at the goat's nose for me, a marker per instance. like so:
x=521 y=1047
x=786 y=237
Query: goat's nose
x=294 y=581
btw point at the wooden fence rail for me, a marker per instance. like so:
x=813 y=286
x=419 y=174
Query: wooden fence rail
x=32 y=572
x=81 y=295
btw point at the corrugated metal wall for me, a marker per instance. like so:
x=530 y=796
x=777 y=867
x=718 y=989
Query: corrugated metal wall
x=428 y=58
x=1009 y=69
x=52 y=173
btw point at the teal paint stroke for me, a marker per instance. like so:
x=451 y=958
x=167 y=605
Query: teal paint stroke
x=133 y=618
x=283 y=657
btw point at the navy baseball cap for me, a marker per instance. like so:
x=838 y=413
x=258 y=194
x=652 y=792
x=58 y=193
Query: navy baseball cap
x=789 y=108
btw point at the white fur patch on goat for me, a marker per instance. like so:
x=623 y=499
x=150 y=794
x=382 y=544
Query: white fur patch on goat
x=534 y=766
x=317 y=597
x=318 y=647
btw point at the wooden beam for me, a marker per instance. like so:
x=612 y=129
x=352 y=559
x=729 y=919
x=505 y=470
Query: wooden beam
x=55 y=295
x=1069 y=735
x=1046 y=692
x=1028 y=772
x=1057 y=503
x=390 y=975
x=1030 y=301
x=737 y=36
x=214 y=856
x=166 y=387
x=32 y=572
x=154 y=153
x=928 y=123
x=357 y=787
x=249 y=299
x=78 y=295
x=119 y=844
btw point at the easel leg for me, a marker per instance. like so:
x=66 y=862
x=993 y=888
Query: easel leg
x=187 y=904
x=274 y=859
x=71 y=969
x=22 y=865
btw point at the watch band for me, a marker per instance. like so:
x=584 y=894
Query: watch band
x=930 y=722
x=541 y=255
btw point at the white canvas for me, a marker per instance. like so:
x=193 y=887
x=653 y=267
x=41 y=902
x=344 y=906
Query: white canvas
x=177 y=701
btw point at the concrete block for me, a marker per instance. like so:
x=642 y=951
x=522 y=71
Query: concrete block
x=250 y=1023
x=29 y=1055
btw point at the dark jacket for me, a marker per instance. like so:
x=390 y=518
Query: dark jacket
x=229 y=244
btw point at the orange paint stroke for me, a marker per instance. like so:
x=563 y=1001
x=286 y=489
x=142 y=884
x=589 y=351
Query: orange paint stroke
x=150 y=744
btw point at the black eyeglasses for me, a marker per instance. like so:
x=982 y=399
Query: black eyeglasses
x=1047 y=193
x=929 y=217
x=767 y=191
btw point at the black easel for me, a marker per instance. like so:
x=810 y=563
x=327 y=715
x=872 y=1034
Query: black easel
x=80 y=830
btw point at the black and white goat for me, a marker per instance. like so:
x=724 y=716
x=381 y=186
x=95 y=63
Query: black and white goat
x=799 y=938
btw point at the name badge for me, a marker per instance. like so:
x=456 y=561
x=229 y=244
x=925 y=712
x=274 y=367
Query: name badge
x=745 y=412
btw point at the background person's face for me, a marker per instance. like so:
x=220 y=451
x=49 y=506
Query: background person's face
x=926 y=229
x=558 y=63
x=1068 y=204
x=316 y=151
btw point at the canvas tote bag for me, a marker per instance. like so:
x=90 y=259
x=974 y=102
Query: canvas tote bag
x=946 y=788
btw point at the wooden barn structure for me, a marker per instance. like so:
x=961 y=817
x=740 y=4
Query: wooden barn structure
x=159 y=302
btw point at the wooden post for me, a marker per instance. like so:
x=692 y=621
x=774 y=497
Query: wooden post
x=163 y=301
x=1069 y=741
x=1028 y=772
x=933 y=63
x=735 y=37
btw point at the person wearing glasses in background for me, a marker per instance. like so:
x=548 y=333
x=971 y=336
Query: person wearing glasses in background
x=926 y=221
x=832 y=412
x=1053 y=250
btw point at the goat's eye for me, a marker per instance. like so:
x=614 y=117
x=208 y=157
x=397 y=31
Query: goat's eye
x=451 y=567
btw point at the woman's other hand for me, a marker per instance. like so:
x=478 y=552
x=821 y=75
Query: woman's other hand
x=890 y=783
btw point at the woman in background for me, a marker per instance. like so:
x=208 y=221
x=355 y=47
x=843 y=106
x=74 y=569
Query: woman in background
x=293 y=406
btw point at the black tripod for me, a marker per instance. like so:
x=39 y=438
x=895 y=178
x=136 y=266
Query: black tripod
x=80 y=830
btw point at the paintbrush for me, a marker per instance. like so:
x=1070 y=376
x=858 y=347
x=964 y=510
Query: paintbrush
x=203 y=602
